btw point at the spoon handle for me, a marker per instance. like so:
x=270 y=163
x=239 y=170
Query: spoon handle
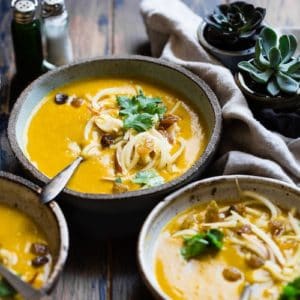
x=23 y=288
x=57 y=183
x=246 y=294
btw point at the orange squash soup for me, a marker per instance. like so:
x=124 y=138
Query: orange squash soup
x=132 y=134
x=214 y=251
x=23 y=250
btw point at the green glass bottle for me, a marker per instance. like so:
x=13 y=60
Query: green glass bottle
x=26 y=36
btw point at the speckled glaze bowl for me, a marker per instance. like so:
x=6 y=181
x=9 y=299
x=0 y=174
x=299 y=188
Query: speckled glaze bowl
x=221 y=189
x=105 y=213
x=24 y=195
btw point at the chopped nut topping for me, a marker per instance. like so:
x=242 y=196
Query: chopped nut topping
x=244 y=229
x=119 y=188
x=107 y=140
x=61 y=98
x=167 y=121
x=232 y=274
x=77 y=102
x=212 y=212
x=255 y=261
x=39 y=261
x=39 y=249
x=277 y=227
x=239 y=208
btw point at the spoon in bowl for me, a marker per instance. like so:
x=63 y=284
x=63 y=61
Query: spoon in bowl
x=247 y=291
x=59 y=181
x=23 y=288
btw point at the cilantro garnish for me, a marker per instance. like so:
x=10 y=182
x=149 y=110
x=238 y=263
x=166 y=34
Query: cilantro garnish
x=202 y=243
x=5 y=289
x=148 y=178
x=291 y=291
x=140 y=112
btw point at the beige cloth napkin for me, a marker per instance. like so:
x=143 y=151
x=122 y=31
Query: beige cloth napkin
x=247 y=147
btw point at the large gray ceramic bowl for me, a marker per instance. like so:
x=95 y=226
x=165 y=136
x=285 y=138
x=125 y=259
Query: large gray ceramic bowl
x=24 y=195
x=222 y=189
x=126 y=210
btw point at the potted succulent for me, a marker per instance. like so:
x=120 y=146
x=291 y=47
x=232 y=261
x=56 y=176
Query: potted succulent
x=271 y=78
x=230 y=32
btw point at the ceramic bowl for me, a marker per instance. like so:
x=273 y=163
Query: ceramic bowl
x=229 y=59
x=98 y=211
x=266 y=101
x=221 y=189
x=24 y=195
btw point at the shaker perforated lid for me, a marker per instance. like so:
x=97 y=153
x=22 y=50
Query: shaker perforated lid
x=51 y=8
x=24 y=10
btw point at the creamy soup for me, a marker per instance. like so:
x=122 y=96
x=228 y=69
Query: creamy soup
x=132 y=134
x=214 y=251
x=23 y=250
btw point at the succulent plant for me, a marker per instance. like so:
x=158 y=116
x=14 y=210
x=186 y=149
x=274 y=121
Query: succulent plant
x=236 y=23
x=274 y=64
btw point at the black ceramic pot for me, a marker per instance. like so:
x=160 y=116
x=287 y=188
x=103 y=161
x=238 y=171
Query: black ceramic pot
x=229 y=59
x=259 y=99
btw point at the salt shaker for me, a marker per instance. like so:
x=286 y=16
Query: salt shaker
x=56 y=33
x=26 y=36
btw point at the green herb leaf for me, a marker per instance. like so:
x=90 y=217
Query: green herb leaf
x=140 y=112
x=215 y=237
x=291 y=291
x=118 y=180
x=194 y=246
x=128 y=105
x=148 y=178
x=139 y=122
x=5 y=289
x=202 y=243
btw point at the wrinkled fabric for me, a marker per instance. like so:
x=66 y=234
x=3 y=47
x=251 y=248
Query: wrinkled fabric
x=246 y=147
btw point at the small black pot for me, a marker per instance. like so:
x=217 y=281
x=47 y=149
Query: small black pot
x=257 y=98
x=228 y=58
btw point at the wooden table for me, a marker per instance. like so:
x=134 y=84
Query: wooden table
x=106 y=269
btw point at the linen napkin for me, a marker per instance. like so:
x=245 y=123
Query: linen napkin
x=247 y=147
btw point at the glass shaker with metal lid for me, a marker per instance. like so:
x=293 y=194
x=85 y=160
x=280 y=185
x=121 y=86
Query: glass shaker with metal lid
x=56 y=32
x=26 y=36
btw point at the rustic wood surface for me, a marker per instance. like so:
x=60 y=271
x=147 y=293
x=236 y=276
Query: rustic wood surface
x=105 y=269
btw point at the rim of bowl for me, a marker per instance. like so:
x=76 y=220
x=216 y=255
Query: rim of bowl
x=211 y=48
x=62 y=228
x=170 y=199
x=209 y=150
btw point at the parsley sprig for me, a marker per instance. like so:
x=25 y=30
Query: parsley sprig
x=148 y=178
x=141 y=112
x=291 y=291
x=202 y=243
x=5 y=289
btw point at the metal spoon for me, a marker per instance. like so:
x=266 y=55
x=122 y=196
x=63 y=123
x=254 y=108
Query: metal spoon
x=246 y=294
x=57 y=183
x=23 y=288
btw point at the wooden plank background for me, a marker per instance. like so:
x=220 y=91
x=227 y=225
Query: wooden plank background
x=106 y=269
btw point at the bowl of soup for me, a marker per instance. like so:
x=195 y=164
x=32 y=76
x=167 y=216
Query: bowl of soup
x=144 y=127
x=33 y=237
x=221 y=237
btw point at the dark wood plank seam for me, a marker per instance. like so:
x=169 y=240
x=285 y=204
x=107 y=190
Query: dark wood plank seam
x=111 y=27
x=109 y=286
